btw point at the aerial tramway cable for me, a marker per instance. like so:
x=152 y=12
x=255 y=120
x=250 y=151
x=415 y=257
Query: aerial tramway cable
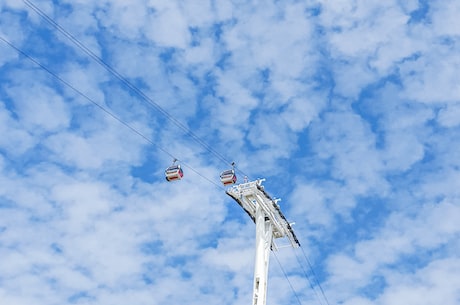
x=131 y=86
x=287 y=278
x=315 y=277
x=321 y=298
x=104 y=109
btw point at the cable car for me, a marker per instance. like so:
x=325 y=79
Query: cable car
x=228 y=177
x=174 y=172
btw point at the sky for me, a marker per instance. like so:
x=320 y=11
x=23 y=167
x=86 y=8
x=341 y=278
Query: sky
x=350 y=110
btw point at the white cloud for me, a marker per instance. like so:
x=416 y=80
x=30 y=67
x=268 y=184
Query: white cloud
x=14 y=139
x=410 y=6
x=125 y=19
x=201 y=54
x=223 y=9
x=402 y=127
x=450 y=116
x=404 y=235
x=199 y=13
x=309 y=203
x=361 y=38
x=12 y=32
x=300 y=112
x=402 y=151
x=438 y=282
x=13 y=4
x=86 y=79
x=443 y=16
x=167 y=27
x=347 y=139
x=432 y=81
x=46 y=111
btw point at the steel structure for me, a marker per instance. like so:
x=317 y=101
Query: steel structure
x=270 y=225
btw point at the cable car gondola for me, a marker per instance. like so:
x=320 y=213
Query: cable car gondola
x=174 y=172
x=228 y=177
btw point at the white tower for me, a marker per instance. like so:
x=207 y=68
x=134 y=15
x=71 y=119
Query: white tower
x=270 y=224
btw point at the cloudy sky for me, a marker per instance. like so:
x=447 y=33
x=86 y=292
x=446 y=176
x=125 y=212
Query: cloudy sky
x=349 y=108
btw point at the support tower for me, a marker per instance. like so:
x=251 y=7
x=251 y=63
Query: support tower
x=270 y=225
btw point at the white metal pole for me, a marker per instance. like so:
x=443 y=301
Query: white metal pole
x=264 y=236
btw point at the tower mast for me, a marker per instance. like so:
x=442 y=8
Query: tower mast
x=270 y=225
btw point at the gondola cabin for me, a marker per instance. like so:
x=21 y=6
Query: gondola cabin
x=174 y=172
x=228 y=177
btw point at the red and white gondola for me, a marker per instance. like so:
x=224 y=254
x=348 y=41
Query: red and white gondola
x=174 y=172
x=228 y=177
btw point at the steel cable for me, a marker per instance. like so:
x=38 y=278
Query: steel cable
x=131 y=86
x=105 y=110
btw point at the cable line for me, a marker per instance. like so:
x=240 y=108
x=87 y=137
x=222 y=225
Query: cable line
x=131 y=86
x=314 y=275
x=308 y=278
x=305 y=273
x=287 y=278
x=104 y=109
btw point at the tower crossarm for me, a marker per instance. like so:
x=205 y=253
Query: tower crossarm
x=247 y=195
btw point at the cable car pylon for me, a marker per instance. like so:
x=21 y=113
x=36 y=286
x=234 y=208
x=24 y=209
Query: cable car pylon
x=270 y=223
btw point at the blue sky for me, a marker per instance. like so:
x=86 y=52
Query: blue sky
x=350 y=109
